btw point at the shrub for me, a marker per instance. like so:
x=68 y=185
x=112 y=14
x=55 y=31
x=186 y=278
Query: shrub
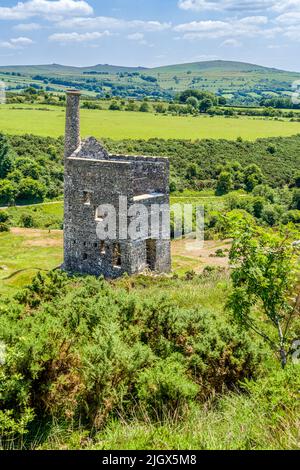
x=144 y=108
x=6 y=157
x=224 y=184
x=27 y=220
x=291 y=216
x=165 y=390
x=82 y=351
x=30 y=190
x=4 y=227
x=4 y=216
x=8 y=191
x=114 y=106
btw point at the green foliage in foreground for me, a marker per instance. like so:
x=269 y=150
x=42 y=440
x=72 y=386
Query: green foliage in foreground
x=83 y=352
x=93 y=365
x=265 y=416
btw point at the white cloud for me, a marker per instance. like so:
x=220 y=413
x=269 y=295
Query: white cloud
x=286 y=5
x=46 y=8
x=6 y=45
x=287 y=22
x=290 y=18
x=197 y=5
x=240 y=5
x=293 y=33
x=139 y=38
x=27 y=27
x=229 y=5
x=254 y=20
x=21 y=41
x=250 y=26
x=69 y=38
x=106 y=22
x=201 y=26
x=16 y=43
x=231 y=43
x=136 y=36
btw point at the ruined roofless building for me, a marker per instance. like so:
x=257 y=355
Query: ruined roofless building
x=94 y=178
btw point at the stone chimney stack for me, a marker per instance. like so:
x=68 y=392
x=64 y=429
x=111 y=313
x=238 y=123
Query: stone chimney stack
x=72 y=136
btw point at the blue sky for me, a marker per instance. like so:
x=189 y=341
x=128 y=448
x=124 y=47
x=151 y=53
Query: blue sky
x=150 y=32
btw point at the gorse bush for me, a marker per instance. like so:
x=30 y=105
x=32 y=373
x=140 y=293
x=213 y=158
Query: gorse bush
x=4 y=221
x=31 y=167
x=212 y=156
x=83 y=351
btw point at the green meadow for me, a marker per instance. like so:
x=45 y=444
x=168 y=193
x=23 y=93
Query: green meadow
x=24 y=252
x=49 y=121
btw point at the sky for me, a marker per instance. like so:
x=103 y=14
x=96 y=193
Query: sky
x=150 y=33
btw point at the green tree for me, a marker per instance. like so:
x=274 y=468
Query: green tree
x=258 y=206
x=114 y=106
x=222 y=100
x=144 y=108
x=31 y=190
x=297 y=180
x=4 y=221
x=192 y=171
x=265 y=278
x=8 y=191
x=296 y=199
x=6 y=157
x=205 y=105
x=199 y=94
x=270 y=215
x=131 y=106
x=4 y=217
x=160 y=108
x=253 y=177
x=29 y=167
x=193 y=101
x=224 y=184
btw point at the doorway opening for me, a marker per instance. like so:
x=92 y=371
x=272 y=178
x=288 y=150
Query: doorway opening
x=151 y=254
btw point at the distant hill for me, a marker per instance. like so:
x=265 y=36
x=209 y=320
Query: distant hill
x=239 y=82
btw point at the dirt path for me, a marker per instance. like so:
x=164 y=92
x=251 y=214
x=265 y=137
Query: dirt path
x=204 y=254
x=31 y=205
x=39 y=238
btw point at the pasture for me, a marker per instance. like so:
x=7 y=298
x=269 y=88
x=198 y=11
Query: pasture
x=50 y=120
x=24 y=252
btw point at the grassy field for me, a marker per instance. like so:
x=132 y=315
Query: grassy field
x=49 y=121
x=44 y=216
x=24 y=252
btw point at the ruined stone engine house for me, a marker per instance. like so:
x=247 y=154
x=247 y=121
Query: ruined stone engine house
x=94 y=178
